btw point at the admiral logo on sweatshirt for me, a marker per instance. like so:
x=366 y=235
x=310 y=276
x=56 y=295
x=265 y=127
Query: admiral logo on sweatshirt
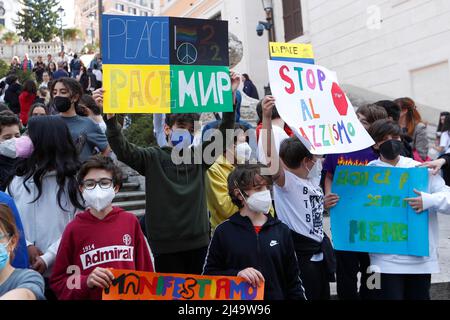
x=106 y=254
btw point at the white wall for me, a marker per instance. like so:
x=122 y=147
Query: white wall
x=393 y=47
x=11 y=9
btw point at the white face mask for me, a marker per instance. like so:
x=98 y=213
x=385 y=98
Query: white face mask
x=99 y=198
x=315 y=171
x=260 y=201
x=243 y=152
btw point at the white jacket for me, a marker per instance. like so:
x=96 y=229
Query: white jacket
x=43 y=220
x=437 y=199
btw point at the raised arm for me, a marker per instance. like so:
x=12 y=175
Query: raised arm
x=273 y=161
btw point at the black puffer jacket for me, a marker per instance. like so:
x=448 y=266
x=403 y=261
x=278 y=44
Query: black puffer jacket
x=236 y=246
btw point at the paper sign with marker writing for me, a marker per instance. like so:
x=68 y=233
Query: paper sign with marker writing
x=294 y=52
x=372 y=216
x=310 y=101
x=137 y=285
x=165 y=65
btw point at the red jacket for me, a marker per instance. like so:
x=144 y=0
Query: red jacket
x=87 y=242
x=26 y=99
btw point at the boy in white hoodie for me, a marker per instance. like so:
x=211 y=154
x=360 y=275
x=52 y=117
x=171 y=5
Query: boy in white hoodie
x=406 y=277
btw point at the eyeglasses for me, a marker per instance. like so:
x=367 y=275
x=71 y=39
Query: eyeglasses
x=104 y=183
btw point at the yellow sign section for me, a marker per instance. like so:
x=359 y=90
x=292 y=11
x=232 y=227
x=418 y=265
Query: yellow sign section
x=291 y=50
x=136 y=88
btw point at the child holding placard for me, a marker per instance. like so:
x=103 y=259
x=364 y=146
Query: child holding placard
x=402 y=276
x=300 y=203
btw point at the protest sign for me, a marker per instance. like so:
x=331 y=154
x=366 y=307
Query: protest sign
x=165 y=65
x=293 y=52
x=310 y=101
x=137 y=285
x=372 y=216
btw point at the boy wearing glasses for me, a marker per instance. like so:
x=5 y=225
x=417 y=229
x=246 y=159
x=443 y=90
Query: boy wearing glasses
x=100 y=238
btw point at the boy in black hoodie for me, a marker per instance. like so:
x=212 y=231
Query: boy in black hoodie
x=176 y=218
x=252 y=244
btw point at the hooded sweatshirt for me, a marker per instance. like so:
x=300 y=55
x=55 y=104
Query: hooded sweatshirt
x=435 y=199
x=175 y=213
x=88 y=242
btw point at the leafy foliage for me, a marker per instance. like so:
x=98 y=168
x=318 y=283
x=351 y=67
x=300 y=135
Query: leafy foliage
x=38 y=20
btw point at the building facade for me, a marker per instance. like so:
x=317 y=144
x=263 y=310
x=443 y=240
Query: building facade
x=8 y=13
x=392 y=48
x=86 y=13
x=395 y=48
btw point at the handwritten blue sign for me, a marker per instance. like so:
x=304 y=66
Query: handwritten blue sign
x=372 y=216
x=135 y=40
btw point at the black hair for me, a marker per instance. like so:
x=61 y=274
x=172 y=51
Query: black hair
x=75 y=56
x=179 y=118
x=382 y=128
x=73 y=86
x=30 y=86
x=11 y=79
x=441 y=125
x=36 y=105
x=392 y=109
x=7 y=119
x=54 y=150
x=293 y=151
x=102 y=163
x=245 y=75
x=89 y=102
x=243 y=177
x=446 y=125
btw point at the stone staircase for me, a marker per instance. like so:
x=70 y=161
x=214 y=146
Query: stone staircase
x=131 y=196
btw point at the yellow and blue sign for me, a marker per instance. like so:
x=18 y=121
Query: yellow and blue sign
x=292 y=52
x=372 y=216
x=165 y=65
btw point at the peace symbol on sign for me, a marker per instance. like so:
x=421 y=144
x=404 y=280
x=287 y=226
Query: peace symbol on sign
x=187 y=53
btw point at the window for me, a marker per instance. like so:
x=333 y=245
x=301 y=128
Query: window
x=144 y=13
x=120 y=7
x=132 y=10
x=292 y=16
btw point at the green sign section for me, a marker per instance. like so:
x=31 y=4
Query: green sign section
x=196 y=89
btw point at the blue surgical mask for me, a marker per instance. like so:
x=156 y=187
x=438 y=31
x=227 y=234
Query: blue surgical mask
x=181 y=138
x=4 y=254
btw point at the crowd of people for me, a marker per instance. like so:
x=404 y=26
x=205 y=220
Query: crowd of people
x=60 y=234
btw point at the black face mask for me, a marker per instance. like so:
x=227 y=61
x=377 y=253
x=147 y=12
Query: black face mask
x=62 y=104
x=391 y=149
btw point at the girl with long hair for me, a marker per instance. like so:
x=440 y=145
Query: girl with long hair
x=45 y=189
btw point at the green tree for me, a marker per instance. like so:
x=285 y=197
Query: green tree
x=4 y=68
x=38 y=20
x=141 y=130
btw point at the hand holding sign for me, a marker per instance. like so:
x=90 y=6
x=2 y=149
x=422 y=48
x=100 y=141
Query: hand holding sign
x=331 y=200
x=267 y=106
x=252 y=276
x=97 y=95
x=100 y=277
x=416 y=203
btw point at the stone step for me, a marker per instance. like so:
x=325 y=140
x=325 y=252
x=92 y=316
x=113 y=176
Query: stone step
x=130 y=186
x=131 y=205
x=129 y=196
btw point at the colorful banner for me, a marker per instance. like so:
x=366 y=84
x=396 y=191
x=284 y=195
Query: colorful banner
x=293 y=52
x=310 y=101
x=136 y=285
x=372 y=216
x=165 y=65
